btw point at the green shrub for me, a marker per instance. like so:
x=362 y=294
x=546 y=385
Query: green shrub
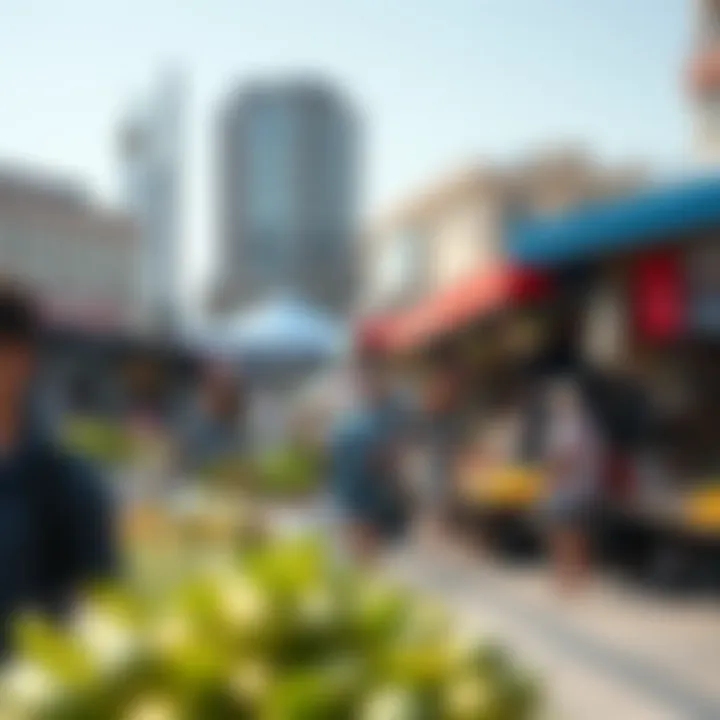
x=288 y=471
x=102 y=440
x=279 y=635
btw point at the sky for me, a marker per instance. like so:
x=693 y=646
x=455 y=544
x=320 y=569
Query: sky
x=438 y=83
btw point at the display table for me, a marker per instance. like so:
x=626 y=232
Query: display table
x=673 y=538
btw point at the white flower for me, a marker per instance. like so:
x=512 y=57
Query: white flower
x=171 y=634
x=390 y=704
x=468 y=696
x=27 y=685
x=109 y=641
x=243 y=604
x=249 y=681
x=152 y=708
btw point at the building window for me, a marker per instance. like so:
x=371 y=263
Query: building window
x=269 y=169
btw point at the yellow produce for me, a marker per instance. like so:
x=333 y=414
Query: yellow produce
x=506 y=486
x=701 y=508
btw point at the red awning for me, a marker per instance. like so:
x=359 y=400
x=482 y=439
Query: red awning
x=471 y=298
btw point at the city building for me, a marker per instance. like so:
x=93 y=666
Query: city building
x=80 y=258
x=151 y=156
x=457 y=225
x=704 y=81
x=287 y=190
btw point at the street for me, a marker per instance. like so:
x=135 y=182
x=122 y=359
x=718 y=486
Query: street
x=614 y=652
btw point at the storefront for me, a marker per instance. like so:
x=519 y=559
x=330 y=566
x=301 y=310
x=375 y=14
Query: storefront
x=650 y=342
x=494 y=329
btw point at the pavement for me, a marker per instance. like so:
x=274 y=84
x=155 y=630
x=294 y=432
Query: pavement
x=614 y=652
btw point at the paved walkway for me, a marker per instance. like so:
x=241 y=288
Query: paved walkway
x=614 y=653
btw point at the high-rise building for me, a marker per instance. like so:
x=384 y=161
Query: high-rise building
x=705 y=81
x=151 y=147
x=287 y=190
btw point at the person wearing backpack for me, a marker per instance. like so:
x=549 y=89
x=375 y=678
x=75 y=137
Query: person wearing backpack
x=56 y=519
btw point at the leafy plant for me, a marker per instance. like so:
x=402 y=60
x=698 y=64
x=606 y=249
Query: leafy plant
x=103 y=440
x=281 y=633
x=289 y=471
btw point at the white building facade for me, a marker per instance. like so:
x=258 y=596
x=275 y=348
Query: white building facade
x=456 y=227
x=80 y=259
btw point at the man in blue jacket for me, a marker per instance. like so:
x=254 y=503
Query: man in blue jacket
x=56 y=524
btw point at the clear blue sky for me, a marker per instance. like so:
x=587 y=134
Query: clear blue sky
x=438 y=81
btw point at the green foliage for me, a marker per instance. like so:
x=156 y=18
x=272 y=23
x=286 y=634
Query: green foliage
x=294 y=470
x=278 y=634
x=102 y=440
x=228 y=471
x=284 y=472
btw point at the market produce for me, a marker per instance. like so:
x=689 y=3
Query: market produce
x=508 y=486
x=279 y=634
x=701 y=509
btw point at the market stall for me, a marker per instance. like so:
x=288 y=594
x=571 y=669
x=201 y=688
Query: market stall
x=489 y=331
x=650 y=359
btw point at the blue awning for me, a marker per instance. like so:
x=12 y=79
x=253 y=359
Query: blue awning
x=654 y=215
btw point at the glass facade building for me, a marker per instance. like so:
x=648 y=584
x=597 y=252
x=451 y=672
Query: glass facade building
x=287 y=195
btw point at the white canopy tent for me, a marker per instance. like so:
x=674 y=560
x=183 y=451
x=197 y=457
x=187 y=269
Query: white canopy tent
x=278 y=330
x=277 y=345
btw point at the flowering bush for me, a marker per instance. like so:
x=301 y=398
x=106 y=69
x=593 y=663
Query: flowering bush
x=279 y=634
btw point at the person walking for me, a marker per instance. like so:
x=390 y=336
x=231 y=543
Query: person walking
x=573 y=465
x=364 y=464
x=57 y=529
